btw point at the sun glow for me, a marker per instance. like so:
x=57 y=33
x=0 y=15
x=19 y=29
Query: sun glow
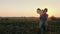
x=50 y=12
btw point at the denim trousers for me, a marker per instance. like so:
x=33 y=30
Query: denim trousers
x=43 y=24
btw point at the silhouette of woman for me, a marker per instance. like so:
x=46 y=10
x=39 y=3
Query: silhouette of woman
x=43 y=19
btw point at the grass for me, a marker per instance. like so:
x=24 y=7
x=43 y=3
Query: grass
x=25 y=26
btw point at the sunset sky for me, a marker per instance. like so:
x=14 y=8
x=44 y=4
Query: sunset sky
x=27 y=8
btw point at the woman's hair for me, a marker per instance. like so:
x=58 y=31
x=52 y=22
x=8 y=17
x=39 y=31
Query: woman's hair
x=46 y=9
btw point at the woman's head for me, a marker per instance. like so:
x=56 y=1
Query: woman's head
x=45 y=10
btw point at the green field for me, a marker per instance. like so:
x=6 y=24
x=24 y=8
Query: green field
x=26 y=26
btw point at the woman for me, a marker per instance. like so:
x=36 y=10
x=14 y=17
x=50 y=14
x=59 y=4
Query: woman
x=43 y=20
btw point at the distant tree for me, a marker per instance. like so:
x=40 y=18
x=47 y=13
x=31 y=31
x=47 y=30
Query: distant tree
x=52 y=17
x=6 y=18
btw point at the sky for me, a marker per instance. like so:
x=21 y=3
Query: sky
x=27 y=8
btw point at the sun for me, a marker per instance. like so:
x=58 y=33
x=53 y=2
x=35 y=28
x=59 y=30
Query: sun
x=50 y=12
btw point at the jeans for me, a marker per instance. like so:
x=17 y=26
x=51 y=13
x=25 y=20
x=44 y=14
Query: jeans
x=43 y=25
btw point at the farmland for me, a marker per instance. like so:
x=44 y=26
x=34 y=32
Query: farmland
x=26 y=25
